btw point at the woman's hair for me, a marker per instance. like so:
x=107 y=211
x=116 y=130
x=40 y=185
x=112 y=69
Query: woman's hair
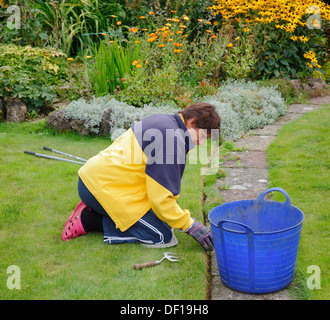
x=205 y=115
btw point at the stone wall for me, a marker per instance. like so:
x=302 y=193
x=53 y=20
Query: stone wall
x=12 y=110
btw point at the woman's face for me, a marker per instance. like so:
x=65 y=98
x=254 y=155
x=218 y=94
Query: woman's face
x=198 y=135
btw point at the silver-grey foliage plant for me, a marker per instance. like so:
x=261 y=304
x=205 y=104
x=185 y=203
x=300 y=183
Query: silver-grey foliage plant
x=242 y=106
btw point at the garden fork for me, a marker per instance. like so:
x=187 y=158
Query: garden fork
x=167 y=255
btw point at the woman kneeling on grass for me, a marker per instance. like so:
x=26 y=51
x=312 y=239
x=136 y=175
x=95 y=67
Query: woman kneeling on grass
x=130 y=190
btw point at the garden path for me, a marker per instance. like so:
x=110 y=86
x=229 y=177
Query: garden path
x=247 y=177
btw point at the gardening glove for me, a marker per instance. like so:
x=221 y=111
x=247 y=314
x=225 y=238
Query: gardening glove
x=201 y=234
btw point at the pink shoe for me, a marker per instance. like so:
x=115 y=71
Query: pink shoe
x=73 y=228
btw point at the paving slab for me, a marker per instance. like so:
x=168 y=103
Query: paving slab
x=320 y=100
x=249 y=159
x=255 y=143
x=302 y=108
x=244 y=179
x=235 y=195
x=288 y=118
x=269 y=130
x=222 y=292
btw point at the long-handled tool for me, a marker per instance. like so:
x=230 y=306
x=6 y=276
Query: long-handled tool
x=167 y=255
x=65 y=154
x=41 y=155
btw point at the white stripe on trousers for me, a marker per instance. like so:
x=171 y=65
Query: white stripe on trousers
x=148 y=225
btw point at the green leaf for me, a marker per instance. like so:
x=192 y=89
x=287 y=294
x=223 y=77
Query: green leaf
x=43 y=36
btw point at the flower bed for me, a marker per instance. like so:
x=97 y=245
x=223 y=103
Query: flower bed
x=168 y=54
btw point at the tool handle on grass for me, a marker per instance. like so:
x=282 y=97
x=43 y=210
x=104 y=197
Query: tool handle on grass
x=29 y=152
x=145 y=265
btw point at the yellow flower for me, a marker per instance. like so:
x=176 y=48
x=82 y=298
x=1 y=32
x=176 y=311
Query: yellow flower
x=103 y=34
x=278 y=26
x=208 y=22
x=185 y=18
x=229 y=45
x=166 y=75
x=134 y=29
x=213 y=37
x=70 y=59
x=200 y=20
x=138 y=66
x=237 y=38
x=178 y=44
x=113 y=16
x=208 y=31
x=88 y=57
x=137 y=42
x=173 y=11
x=294 y=38
x=112 y=41
x=286 y=15
x=168 y=24
x=178 y=32
x=142 y=17
x=177 y=50
x=185 y=36
x=161 y=45
x=119 y=23
x=151 y=13
x=303 y=39
x=200 y=63
x=152 y=39
x=170 y=40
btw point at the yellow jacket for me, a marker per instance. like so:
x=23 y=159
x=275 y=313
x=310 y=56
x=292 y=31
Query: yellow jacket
x=140 y=170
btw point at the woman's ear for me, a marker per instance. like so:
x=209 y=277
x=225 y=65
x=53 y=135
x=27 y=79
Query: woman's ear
x=191 y=123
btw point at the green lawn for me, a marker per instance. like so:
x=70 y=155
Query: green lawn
x=299 y=161
x=36 y=198
x=38 y=195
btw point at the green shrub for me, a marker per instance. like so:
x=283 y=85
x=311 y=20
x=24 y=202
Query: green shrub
x=284 y=86
x=30 y=74
x=156 y=88
x=241 y=58
x=326 y=69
